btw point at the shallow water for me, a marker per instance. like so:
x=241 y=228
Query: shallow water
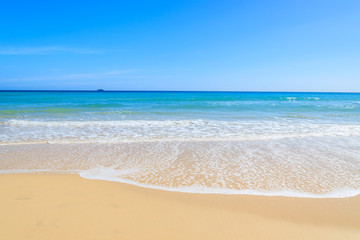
x=288 y=144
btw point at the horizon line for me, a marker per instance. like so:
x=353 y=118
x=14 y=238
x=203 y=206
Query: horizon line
x=234 y=91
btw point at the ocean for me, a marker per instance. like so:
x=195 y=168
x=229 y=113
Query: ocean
x=258 y=143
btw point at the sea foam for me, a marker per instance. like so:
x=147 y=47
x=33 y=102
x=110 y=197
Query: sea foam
x=283 y=144
x=299 y=167
x=106 y=175
x=18 y=131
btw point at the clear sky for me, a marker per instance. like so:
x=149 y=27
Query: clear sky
x=307 y=45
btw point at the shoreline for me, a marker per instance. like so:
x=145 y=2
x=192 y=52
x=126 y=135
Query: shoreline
x=172 y=167
x=71 y=207
x=345 y=193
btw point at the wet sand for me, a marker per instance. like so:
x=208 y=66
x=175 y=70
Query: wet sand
x=70 y=207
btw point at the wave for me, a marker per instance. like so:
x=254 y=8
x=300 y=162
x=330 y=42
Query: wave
x=168 y=130
x=341 y=193
x=88 y=174
x=316 y=168
x=300 y=98
x=132 y=123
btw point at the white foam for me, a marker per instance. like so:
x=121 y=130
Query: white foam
x=167 y=130
x=107 y=175
x=315 y=167
x=126 y=123
x=300 y=98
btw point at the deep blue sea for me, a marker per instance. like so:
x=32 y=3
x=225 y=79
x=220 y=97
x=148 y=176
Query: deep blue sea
x=268 y=143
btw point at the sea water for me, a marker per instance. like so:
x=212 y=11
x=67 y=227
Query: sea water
x=263 y=143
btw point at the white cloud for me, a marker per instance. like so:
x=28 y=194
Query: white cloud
x=46 y=50
x=76 y=76
x=111 y=74
x=79 y=79
x=116 y=74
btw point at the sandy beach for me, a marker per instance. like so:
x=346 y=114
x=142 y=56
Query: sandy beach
x=180 y=120
x=70 y=207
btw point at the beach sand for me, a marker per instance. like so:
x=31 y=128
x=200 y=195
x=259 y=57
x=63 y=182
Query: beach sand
x=70 y=207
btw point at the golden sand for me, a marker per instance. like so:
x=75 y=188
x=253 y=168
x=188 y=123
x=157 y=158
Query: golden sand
x=68 y=207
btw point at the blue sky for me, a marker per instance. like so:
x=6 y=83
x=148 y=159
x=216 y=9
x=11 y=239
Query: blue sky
x=180 y=45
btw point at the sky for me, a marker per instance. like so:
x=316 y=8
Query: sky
x=184 y=45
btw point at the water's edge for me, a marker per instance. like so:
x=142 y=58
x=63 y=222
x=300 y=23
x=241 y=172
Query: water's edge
x=345 y=193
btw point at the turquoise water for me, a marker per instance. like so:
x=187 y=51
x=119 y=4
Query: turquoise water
x=186 y=115
x=221 y=140
x=178 y=105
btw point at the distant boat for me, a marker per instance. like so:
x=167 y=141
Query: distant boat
x=100 y=90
